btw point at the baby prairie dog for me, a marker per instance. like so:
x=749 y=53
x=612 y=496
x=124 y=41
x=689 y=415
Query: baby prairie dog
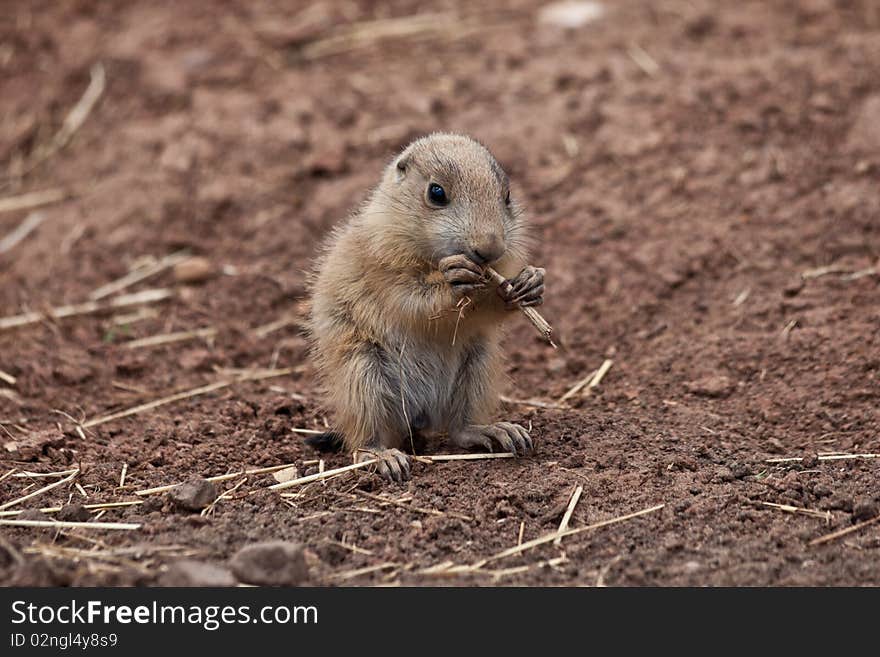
x=405 y=326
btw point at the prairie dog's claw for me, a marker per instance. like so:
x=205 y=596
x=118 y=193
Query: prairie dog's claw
x=391 y=464
x=462 y=274
x=507 y=435
x=524 y=289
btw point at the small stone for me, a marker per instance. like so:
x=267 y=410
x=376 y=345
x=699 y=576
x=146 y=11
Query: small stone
x=724 y=475
x=286 y=474
x=74 y=513
x=864 y=510
x=775 y=446
x=197 y=521
x=823 y=102
x=197 y=359
x=741 y=470
x=504 y=509
x=196 y=573
x=792 y=482
x=73 y=373
x=701 y=26
x=682 y=506
x=194 y=270
x=793 y=287
x=153 y=503
x=837 y=503
x=711 y=386
x=274 y=563
x=194 y=495
x=673 y=543
x=822 y=490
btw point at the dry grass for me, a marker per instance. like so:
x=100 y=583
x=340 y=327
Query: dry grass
x=25 y=228
x=187 y=394
x=824 y=457
x=323 y=475
x=74 y=120
x=86 y=308
x=139 y=274
x=364 y=34
x=563 y=525
x=30 y=200
x=591 y=381
x=788 y=508
x=100 y=506
x=541 y=325
x=40 y=491
x=843 y=532
x=224 y=477
x=169 y=338
x=61 y=524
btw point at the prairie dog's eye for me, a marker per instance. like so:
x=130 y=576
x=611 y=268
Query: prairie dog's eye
x=507 y=197
x=437 y=195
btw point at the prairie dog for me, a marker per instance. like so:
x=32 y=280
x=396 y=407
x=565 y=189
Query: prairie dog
x=404 y=326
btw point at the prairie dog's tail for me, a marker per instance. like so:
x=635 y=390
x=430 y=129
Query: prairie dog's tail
x=329 y=441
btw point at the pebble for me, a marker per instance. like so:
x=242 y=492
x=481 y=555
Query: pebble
x=274 y=563
x=711 y=386
x=74 y=513
x=194 y=270
x=194 y=495
x=864 y=510
x=724 y=474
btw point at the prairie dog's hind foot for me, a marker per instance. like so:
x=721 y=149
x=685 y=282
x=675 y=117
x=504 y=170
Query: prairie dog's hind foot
x=510 y=437
x=391 y=463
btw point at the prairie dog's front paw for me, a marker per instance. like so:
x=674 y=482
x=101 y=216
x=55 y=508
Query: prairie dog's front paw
x=524 y=289
x=462 y=274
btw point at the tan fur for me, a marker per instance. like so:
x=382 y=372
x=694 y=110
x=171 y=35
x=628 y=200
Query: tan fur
x=383 y=319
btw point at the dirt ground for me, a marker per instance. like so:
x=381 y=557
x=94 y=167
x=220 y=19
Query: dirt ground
x=703 y=182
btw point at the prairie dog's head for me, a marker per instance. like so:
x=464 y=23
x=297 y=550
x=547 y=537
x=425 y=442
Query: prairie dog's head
x=447 y=195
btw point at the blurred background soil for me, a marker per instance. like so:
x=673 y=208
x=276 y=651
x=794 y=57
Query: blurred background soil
x=703 y=182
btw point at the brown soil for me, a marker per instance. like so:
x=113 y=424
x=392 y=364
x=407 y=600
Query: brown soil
x=684 y=163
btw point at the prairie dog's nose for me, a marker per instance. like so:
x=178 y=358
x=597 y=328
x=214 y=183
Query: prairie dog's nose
x=487 y=249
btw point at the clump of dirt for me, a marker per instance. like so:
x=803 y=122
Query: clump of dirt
x=702 y=180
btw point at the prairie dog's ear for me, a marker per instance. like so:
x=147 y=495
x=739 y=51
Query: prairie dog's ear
x=401 y=165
